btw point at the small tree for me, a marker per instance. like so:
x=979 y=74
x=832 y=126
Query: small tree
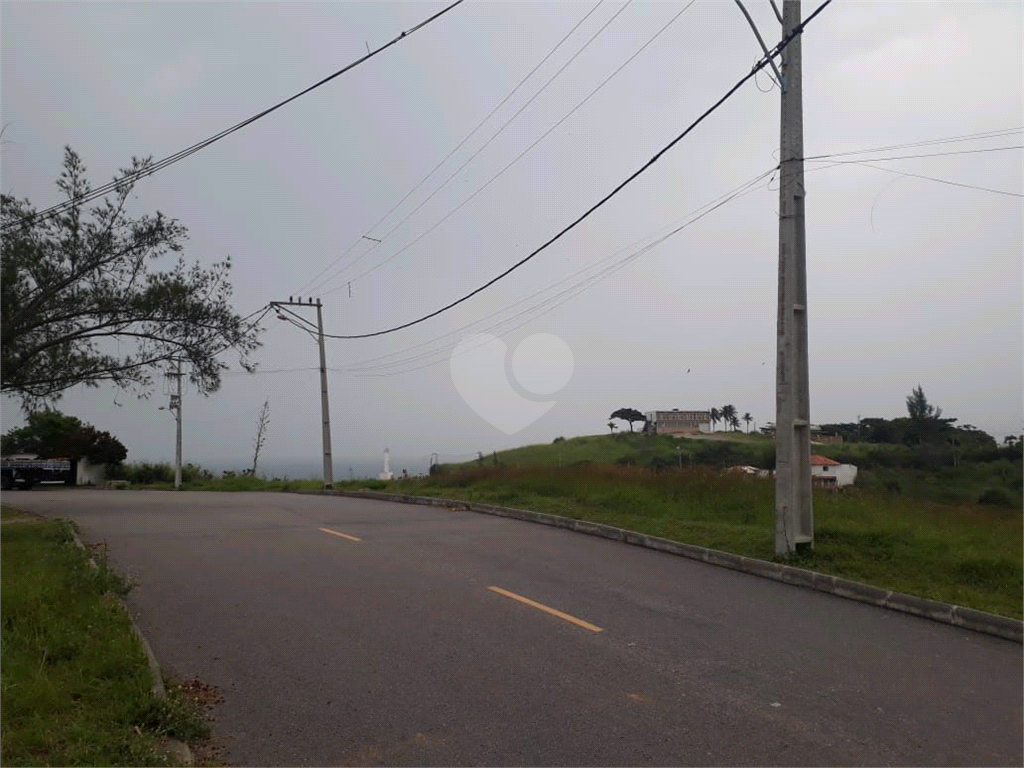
x=629 y=415
x=52 y=434
x=715 y=415
x=612 y=426
x=926 y=421
x=262 y=422
x=748 y=418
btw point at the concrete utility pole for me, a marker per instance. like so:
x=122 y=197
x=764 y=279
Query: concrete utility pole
x=176 y=407
x=325 y=409
x=794 y=514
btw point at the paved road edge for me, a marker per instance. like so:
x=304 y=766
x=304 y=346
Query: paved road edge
x=945 y=613
x=174 y=747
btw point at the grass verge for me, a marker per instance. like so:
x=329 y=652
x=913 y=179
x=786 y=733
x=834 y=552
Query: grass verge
x=75 y=681
x=966 y=554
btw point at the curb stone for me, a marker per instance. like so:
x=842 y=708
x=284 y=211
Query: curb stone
x=174 y=747
x=945 y=613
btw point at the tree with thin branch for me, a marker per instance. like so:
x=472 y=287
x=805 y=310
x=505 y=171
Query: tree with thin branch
x=262 y=422
x=85 y=300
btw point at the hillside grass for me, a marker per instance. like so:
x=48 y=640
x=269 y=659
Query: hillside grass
x=967 y=554
x=921 y=472
x=75 y=680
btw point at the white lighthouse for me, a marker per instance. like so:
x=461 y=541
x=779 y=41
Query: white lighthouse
x=387 y=474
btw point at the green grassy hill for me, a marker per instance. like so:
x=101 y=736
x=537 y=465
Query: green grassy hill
x=933 y=473
x=635 y=449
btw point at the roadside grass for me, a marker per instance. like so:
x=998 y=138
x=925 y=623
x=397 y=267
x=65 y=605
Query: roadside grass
x=7 y=513
x=967 y=554
x=75 y=681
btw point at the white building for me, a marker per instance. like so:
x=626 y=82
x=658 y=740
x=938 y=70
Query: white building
x=829 y=473
x=676 y=422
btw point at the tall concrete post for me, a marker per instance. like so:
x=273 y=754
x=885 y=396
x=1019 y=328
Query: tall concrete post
x=177 y=439
x=324 y=406
x=794 y=515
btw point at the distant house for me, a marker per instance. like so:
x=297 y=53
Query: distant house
x=829 y=473
x=676 y=422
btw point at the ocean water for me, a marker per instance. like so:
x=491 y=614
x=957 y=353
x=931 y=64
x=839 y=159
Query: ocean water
x=306 y=469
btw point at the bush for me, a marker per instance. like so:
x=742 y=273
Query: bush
x=558 y=440
x=996 y=497
x=146 y=473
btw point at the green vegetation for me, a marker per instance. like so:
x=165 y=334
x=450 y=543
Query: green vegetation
x=965 y=554
x=74 y=284
x=51 y=434
x=75 y=680
x=935 y=473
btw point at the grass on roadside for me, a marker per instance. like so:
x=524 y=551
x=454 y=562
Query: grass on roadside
x=75 y=680
x=966 y=554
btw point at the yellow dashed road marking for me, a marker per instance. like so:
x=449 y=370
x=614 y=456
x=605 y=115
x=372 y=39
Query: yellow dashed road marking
x=547 y=609
x=339 y=533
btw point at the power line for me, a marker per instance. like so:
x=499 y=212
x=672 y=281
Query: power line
x=868 y=164
x=522 y=154
x=909 y=157
x=982 y=135
x=457 y=147
x=672 y=229
x=757 y=67
x=368 y=365
x=475 y=154
x=150 y=168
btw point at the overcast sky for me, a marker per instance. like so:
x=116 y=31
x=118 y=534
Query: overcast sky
x=911 y=281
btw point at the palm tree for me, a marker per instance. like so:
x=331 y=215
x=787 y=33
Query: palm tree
x=612 y=426
x=715 y=416
x=735 y=424
x=728 y=414
x=748 y=418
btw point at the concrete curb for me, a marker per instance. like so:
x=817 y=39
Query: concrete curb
x=945 y=613
x=174 y=747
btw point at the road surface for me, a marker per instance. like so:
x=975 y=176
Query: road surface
x=354 y=632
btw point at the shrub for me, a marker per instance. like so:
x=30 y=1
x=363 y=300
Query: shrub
x=996 y=497
x=558 y=440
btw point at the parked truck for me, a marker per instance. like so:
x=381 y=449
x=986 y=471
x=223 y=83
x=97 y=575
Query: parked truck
x=24 y=473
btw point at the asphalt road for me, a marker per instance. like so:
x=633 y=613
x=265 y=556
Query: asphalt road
x=394 y=650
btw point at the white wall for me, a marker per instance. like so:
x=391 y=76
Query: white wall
x=845 y=474
x=90 y=473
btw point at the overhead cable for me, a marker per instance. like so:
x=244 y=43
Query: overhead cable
x=457 y=147
x=757 y=67
x=522 y=154
x=471 y=158
x=150 y=168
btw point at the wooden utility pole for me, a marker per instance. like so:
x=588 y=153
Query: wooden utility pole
x=794 y=514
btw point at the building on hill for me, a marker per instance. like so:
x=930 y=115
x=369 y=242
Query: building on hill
x=676 y=422
x=829 y=473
